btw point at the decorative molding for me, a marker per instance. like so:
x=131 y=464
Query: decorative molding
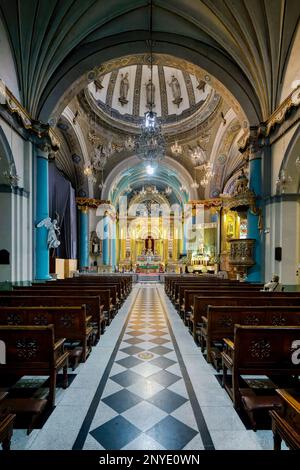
x=279 y=116
x=39 y=131
x=5 y=188
x=278 y=198
x=85 y=202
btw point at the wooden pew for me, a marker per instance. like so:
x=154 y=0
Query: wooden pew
x=69 y=322
x=6 y=426
x=191 y=293
x=103 y=294
x=32 y=350
x=260 y=298
x=180 y=287
x=259 y=350
x=116 y=292
x=286 y=422
x=219 y=323
x=92 y=304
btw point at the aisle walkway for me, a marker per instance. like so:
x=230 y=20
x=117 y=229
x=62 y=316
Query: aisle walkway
x=145 y=386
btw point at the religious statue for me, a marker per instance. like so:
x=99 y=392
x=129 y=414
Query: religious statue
x=176 y=91
x=53 y=231
x=150 y=94
x=201 y=85
x=124 y=88
x=95 y=244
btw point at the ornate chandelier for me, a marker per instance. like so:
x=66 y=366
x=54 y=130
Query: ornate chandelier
x=176 y=149
x=208 y=174
x=151 y=144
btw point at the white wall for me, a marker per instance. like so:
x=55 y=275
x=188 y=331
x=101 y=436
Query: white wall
x=282 y=222
x=16 y=223
x=7 y=67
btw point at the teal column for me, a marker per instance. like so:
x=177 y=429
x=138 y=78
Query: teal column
x=255 y=184
x=42 y=212
x=105 y=243
x=83 y=237
x=113 y=245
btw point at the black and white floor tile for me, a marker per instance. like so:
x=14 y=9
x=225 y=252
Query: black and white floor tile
x=145 y=386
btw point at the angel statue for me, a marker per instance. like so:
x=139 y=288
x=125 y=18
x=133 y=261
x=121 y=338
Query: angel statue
x=53 y=231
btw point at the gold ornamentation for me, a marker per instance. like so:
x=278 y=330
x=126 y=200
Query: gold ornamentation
x=39 y=129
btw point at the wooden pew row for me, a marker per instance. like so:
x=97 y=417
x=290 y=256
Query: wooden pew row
x=92 y=305
x=125 y=282
x=117 y=294
x=103 y=294
x=201 y=304
x=178 y=299
x=170 y=279
x=32 y=350
x=70 y=323
x=190 y=294
x=260 y=350
x=220 y=321
x=173 y=283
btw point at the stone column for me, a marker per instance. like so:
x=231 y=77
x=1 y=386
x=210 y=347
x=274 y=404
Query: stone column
x=42 y=212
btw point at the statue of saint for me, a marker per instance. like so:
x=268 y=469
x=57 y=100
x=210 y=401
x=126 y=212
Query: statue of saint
x=124 y=88
x=150 y=94
x=53 y=231
x=176 y=91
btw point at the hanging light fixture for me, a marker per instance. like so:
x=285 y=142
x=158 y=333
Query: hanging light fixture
x=151 y=144
x=176 y=149
x=129 y=143
x=168 y=190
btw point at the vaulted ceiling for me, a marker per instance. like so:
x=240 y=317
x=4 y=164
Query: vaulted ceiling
x=243 y=43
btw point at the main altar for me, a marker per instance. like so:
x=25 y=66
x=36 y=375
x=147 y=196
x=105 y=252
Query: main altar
x=149 y=263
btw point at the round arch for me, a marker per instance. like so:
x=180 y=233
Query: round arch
x=132 y=161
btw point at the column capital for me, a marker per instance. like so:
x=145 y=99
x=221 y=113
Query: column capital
x=90 y=202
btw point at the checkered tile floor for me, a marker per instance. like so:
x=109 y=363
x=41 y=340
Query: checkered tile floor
x=145 y=403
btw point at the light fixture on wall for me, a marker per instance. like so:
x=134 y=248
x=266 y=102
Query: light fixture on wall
x=176 y=149
x=297 y=162
x=283 y=181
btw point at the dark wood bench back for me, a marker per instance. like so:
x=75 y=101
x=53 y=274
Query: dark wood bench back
x=92 y=303
x=68 y=322
x=266 y=350
x=27 y=347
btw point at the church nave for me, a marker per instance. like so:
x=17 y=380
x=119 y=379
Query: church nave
x=145 y=386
